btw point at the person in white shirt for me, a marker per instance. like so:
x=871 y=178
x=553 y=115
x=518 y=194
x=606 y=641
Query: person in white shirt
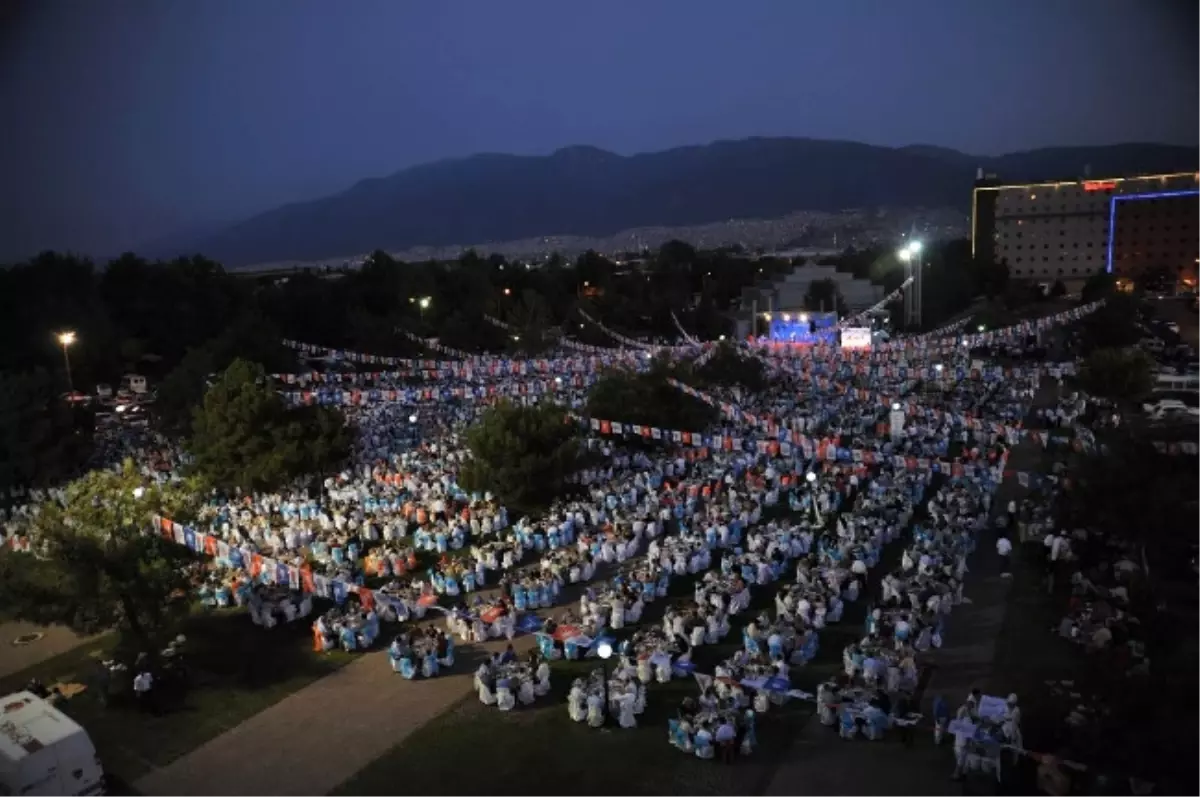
x=1058 y=549
x=143 y=684
x=1004 y=548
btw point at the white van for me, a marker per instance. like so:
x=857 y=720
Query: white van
x=133 y=383
x=43 y=751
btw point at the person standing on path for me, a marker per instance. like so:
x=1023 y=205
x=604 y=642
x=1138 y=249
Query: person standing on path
x=1004 y=548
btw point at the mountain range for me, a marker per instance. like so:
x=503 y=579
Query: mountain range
x=584 y=190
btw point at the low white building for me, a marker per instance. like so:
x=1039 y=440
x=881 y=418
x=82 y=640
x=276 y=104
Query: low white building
x=786 y=293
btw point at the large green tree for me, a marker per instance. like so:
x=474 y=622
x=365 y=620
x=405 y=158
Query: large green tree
x=244 y=436
x=730 y=368
x=1121 y=375
x=525 y=456
x=1114 y=324
x=43 y=440
x=94 y=567
x=647 y=398
x=1129 y=491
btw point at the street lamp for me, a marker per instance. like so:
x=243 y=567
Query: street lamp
x=605 y=651
x=910 y=255
x=423 y=305
x=811 y=478
x=65 y=339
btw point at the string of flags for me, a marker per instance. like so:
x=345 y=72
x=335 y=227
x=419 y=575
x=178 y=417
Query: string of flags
x=433 y=345
x=891 y=297
x=477 y=365
x=630 y=342
x=948 y=329
x=461 y=392
x=687 y=338
x=790 y=443
x=898 y=349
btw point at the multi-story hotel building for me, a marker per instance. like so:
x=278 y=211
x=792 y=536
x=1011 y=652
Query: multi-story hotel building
x=1073 y=229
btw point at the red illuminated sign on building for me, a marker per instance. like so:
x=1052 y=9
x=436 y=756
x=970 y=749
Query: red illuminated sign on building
x=1099 y=185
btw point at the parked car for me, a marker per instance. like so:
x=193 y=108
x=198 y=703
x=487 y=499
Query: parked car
x=1165 y=408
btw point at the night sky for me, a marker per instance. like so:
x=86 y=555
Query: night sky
x=127 y=120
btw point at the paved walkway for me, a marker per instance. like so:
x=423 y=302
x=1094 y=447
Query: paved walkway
x=315 y=739
x=55 y=641
x=362 y=710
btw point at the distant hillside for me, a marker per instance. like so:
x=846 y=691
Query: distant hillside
x=587 y=191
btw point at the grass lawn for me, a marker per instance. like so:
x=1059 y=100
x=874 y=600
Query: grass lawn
x=237 y=670
x=475 y=749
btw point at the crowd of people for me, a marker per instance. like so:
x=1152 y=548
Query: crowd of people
x=818 y=479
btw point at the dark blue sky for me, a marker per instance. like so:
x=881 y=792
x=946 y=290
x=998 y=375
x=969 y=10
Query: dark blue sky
x=126 y=120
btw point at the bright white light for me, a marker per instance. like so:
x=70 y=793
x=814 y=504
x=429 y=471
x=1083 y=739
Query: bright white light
x=982 y=327
x=915 y=247
x=412 y=418
x=810 y=477
x=767 y=316
x=604 y=651
x=138 y=492
x=905 y=255
x=787 y=316
x=804 y=316
x=722 y=338
x=424 y=303
x=558 y=380
x=121 y=408
x=938 y=367
x=66 y=338
x=896 y=405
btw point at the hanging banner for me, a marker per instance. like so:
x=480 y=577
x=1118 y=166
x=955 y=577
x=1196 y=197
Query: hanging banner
x=856 y=337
